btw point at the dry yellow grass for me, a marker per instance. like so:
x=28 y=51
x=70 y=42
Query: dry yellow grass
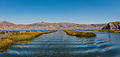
x=80 y=34
x=26 y=35
x=5 y=43
x=108 y=30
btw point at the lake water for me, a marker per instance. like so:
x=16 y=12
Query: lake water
x=59 y=44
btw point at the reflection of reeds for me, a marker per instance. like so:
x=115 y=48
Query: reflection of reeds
x=7 y=41
x=80 y=34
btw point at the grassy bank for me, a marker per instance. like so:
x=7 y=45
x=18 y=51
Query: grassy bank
x=7 y=41
x=111 y=31
x=80 y=34
x=25 y=36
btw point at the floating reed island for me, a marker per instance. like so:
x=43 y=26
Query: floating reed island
x=7 y=41
x=80 y=34
x=109 y=30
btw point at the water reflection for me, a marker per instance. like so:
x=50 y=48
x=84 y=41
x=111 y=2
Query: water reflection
x=58 y=44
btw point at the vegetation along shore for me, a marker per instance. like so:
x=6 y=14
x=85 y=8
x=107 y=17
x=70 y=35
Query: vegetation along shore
x=4 y=44
x=109 y=30
x=80 y=34
x=7 y=41
x=112 y=27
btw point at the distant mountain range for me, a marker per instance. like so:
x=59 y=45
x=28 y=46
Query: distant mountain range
x=5 y=25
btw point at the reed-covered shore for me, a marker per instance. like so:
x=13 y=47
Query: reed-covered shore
x=25 y=35
x=4 y=44
x=109 y=30
x=7 y=41
x=80 y=34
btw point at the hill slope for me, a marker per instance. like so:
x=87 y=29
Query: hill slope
x=4 y=25
x=112 y=25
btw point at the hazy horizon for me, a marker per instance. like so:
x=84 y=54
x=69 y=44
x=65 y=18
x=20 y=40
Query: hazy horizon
x=74 y=11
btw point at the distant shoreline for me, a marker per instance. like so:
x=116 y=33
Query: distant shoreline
x=5 y=25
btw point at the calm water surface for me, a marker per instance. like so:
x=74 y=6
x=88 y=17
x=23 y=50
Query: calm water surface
x=59 y=44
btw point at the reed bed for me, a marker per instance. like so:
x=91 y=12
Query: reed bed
x=5 y=43
x=80 y=34
x=109 y=30
x=45 y=32
x=25 y=36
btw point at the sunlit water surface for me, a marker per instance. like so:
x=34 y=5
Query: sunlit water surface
x=59 y=44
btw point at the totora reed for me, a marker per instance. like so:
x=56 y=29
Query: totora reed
x=7 y=41
x=80 y=34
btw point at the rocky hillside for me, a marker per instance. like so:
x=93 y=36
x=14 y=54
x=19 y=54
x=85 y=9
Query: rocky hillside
x=4 y=25
x=112 y=25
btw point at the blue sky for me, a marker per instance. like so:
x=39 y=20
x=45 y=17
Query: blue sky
x=76 y=11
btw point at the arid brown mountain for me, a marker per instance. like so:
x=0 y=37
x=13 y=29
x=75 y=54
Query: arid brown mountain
x=4 y=25
x=112 y=25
